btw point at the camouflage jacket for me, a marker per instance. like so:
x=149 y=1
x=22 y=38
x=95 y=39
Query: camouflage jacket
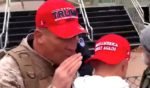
x=11 y=76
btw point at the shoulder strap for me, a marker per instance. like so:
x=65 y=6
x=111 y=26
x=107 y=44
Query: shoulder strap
x=145 y=81
x=2 y=53
x=26 y=67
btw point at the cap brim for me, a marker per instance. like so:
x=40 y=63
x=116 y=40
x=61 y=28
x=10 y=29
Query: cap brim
x=67 y=30
x=108 y=59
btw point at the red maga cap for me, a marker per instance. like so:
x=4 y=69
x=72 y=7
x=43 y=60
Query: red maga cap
x=111 y=49
x=60 y=17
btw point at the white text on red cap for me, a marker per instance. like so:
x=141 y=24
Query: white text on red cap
x=109 y=46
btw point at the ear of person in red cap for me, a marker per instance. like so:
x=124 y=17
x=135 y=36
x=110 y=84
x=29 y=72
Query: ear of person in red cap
x=110 y=62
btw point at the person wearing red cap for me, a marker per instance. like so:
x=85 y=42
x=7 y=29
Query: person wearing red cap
x=110 y=61
x=34 y=63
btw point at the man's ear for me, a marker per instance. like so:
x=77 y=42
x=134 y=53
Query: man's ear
x=124 y=65
x=124 y=68
x=38 y=35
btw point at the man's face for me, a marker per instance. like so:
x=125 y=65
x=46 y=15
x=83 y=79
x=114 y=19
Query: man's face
x=58 y=49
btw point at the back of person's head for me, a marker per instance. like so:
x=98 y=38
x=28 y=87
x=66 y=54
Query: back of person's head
x=145 y=42
x=60 y=18
x=112 y=51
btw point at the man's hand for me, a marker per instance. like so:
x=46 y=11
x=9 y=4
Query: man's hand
x=66 y=72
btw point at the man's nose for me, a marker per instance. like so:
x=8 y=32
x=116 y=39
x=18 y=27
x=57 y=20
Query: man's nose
x=72 y=43
x=74 y=40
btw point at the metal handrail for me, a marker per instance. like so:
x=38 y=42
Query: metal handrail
x=139 y=9
x=88 y=27
x=141 y=12
x=22 y=3
x=5 y=25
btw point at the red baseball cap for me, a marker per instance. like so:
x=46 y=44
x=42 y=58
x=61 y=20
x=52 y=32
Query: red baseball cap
x=111 y=49
x=60 y=17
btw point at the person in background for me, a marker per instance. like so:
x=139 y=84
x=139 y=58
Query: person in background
x=110 y=62
x=145 y=43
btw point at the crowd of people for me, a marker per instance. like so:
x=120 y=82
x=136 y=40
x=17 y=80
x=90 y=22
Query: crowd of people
x=55 y=56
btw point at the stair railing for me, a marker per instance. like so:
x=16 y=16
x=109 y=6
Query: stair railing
x=135 y=13
x=5 y=25
x=22 y=3
x=139 y=9
x=88 y=27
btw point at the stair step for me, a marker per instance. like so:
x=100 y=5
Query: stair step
x=21 y=30
x=12 y=44
x=109 y=23
x=91 y=9
x=113 y=28
x=23 y=13
x=105 y=13
x=1 y=26
x=1 y=19
x=122 y=33
x=21 y=24
x=16 y=37
x=22 y=18
x=1 y=14
x=106 y=18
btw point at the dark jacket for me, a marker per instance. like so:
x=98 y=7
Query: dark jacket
x=145 y=82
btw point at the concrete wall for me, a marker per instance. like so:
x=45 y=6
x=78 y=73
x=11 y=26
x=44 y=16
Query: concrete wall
x=1 y=1
x=17 y=6
x=135 y=68
x=136 y=64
